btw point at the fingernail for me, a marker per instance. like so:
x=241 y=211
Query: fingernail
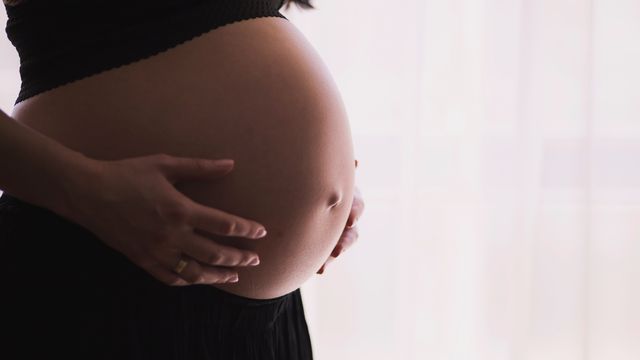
x=234 y=278
x=261 y=232
x=254 y=261
x=224 y=162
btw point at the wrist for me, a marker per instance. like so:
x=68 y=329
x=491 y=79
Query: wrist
x=76 y=182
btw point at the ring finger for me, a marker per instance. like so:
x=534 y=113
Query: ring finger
x=211 y=253
x=194 y=272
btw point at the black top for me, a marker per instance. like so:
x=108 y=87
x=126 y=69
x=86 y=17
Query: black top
x=60 y=41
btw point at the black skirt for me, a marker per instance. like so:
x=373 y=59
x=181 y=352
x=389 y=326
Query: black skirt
x=65 y=294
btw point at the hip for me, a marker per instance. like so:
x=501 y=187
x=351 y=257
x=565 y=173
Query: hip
x=66 y=292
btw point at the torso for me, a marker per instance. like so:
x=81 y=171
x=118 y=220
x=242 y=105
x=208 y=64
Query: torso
x=254 y=91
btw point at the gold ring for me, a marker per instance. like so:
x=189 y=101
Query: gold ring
x=180 y=266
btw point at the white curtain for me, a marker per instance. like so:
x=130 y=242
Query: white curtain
x=499 y=159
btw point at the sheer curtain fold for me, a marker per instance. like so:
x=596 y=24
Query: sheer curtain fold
x=499 y=144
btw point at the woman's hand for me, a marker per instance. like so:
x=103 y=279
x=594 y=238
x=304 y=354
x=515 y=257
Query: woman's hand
x=350 y=233
x=133 y=207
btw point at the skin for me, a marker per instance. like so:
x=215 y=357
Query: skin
x=350 y=233
x=224 y=98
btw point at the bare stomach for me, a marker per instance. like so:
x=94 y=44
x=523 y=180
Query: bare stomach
x=254 y=91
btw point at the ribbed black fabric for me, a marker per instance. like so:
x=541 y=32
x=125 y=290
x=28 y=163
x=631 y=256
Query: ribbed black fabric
x=67 y=295
x=60 y=41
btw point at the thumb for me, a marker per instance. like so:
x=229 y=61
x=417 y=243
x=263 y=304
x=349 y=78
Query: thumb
x=180 y=169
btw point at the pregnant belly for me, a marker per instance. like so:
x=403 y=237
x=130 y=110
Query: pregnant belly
x=254 y=91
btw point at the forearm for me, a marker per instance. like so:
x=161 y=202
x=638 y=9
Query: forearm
x=38 y=169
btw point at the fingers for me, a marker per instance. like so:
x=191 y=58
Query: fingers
x=205 y=218
x=357 y=208
x=348 y=237
x=325 y=265
x=163 y=275
x=356 y=211
x=218 y=222
x=181 y=169
x=162 y=266
x=211 y=253
x=194 y=272
x=352 y=220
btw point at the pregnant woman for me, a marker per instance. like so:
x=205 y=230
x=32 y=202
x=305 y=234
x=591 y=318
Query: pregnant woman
x=116 y=96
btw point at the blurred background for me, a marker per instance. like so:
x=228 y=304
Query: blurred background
x=499 y=159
